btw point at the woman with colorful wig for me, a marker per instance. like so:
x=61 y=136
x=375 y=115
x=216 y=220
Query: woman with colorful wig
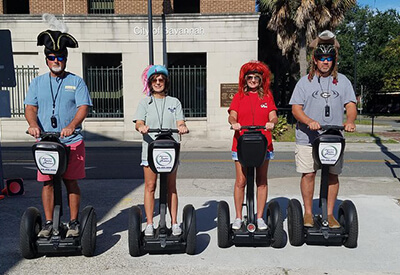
x=253 y=104
x=158 y=110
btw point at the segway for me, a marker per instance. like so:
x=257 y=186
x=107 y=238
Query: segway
x=252 y=150
x=328 y=149
x=51 y=158
x=163 y=156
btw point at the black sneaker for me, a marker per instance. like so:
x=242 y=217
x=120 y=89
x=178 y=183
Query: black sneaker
x=46 y=230
x=73 y=229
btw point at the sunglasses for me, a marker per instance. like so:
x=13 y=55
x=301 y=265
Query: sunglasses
x=59 y=58
x=251 y=77
x=155 y=80
x=322 y=59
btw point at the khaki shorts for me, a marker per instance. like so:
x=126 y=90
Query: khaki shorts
x=305 y=162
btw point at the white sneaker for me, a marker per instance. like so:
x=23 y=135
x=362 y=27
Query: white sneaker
x=261 y=224
x=176 y=230
x=149 y=231
x=237 y=224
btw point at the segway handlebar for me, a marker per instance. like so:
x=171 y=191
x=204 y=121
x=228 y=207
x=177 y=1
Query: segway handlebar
x=251 y=127
x=331 y=127
x=56 y=134
x=163 y=130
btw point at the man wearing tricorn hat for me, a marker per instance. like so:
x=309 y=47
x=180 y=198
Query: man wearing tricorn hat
x=319 y=98
x=59 y=101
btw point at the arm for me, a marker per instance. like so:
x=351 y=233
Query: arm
x=31 y=118
x=298 y=113
x=273 y=120
x=351 y=112
x=78 y=119
x=182 y=127
x=141 y=127
x=232 y=119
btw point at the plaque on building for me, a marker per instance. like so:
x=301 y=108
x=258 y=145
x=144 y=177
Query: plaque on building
x=228 y=90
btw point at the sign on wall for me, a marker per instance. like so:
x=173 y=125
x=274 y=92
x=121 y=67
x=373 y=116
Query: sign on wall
x=228 y=90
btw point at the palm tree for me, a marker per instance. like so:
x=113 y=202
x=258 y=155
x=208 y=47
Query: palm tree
x=297 y=23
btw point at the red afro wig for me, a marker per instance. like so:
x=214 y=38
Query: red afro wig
x=255 y=67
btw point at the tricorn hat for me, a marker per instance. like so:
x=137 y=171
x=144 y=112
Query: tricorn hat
x=325 y=37
x=56 y=42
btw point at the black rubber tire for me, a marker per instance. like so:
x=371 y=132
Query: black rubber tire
x=223 y=224
x=348 y=218
x=134 y=231
x=189 y=221
x=30 y=226
x=295 y=223
x=89 y=232
x=275 y=223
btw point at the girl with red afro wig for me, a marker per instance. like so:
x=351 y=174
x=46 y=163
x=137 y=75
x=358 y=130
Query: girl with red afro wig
x=253 y=104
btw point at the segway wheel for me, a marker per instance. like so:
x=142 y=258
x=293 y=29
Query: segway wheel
x=31 y=224
x=295 y=223
x=224 y=230
x=189 y=228
x=275 y=223
x=134 y=231
x=89 y=231
x=349 y=220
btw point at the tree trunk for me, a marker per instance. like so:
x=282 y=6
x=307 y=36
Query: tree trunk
x=303 y=60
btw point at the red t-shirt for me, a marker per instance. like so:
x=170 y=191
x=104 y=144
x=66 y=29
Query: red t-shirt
x=251 y=110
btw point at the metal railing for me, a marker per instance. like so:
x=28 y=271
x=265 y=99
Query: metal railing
x=106 y=90
x=101 y=6
x=188 y=84
x=23 y=77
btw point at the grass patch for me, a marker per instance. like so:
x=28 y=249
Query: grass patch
x=359 y=137
x=288 y=135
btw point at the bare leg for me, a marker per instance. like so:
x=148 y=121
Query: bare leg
x=74 y=197
x=240 y=184
x=48 y=199
x=173 y=197
x=150 y=180
x=333 y=191
x=262 y=188
x=307 y=191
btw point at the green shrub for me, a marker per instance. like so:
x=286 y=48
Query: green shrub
x=280 y=128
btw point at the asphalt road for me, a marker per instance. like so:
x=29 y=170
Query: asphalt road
x=123 y=163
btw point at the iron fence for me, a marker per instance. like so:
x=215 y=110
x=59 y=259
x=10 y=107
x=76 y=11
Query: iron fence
x=101 y=6
x=23 y=77
x=188 y=84
x=106 y=90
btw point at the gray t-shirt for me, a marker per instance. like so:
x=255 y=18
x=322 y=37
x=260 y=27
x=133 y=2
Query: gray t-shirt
x=322 y=101
x=158 y=113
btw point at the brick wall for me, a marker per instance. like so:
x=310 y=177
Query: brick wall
x=140 y=6
x=137 y=6
x=227 y=6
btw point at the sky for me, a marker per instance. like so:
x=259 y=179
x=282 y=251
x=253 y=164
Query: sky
x=381 y=5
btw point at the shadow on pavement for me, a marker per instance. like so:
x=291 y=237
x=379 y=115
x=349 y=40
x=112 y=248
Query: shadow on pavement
x=392 y=157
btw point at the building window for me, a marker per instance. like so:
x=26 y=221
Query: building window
x=188 y=75
x=101 y=6
x=187 y=6
x=103 y=76
x=16 y=6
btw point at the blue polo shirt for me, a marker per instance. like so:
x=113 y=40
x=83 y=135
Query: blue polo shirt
x=68 y=94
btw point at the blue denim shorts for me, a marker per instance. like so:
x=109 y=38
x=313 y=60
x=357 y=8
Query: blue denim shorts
x=270 y=155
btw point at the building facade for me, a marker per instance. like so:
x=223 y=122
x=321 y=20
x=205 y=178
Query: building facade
x=202 y=42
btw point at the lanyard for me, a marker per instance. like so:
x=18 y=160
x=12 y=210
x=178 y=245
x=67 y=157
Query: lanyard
x=160 y=118
x=326 y=94
x=54 y=97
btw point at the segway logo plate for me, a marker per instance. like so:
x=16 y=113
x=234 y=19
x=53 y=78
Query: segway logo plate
x=164 y=159
x=47 y=162
x=329 y=153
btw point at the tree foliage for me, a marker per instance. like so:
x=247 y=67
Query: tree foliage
x=369 y=54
